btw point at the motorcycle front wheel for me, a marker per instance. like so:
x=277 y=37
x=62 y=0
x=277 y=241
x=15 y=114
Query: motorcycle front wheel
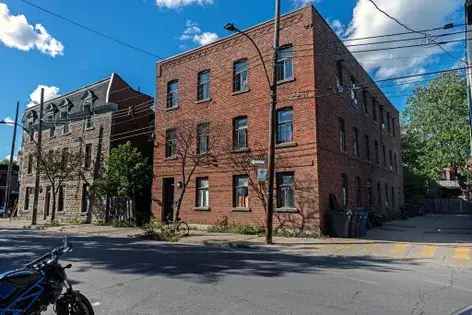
x=74 y=303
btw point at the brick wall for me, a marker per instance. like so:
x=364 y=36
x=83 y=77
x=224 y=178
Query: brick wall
x=313 y=156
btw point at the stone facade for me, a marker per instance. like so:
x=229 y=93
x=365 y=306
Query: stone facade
x=99 y=116
x=328 y=86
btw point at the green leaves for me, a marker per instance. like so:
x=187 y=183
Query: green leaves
x=436 y=127
x=126 y=174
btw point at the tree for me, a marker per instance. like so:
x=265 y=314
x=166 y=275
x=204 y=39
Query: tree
x=126 y=174
x=192 y=144
x=436 y=132
x=59 y=167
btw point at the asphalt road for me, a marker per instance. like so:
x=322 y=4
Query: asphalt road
x=126 y=276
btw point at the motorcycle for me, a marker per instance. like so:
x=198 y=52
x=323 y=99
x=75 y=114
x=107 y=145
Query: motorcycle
x=40 y=283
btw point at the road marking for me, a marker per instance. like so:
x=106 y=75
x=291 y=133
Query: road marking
x=461 y=253
x=399 y=249
x=428 y=251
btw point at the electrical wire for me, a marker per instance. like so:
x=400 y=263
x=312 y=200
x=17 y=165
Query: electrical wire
x=412 y=30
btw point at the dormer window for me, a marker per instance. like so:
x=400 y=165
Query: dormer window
x=88 y=116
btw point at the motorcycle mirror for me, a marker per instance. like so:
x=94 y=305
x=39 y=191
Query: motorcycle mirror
x=68 y=266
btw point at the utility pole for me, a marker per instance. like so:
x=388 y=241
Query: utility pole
x=10 y=164
x=272 y=118
x=468 y=53
x=38 y=159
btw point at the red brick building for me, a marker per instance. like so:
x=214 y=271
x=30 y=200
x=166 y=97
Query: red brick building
x=338 y=142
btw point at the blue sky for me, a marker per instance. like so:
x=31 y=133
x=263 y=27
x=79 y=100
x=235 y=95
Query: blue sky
x=64 y=56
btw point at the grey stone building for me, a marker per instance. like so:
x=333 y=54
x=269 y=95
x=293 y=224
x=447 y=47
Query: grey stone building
x=93 y=119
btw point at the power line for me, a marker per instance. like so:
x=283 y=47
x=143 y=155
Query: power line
x=447 y=26
x=404 y=39
x=91 y=30
x=423 y=74
x=410 y=29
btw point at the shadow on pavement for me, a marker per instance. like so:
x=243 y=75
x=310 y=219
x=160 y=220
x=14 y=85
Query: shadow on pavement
x=197 y=263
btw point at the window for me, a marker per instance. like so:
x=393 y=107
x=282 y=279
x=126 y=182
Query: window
x=240 y=133
x=387 y=198
x=203 y=85
x=241 y=191
x=377 y=155
x=285 y=64
x=64 y=156
x=339 y=75
x=88 y=155
x=381 y=116
x=203 y=138
x=30 y=164
x=354 y=93
x=65 y=121
x=342 y=135
x=30 y=131
x=394 y=129
x=355 y=146
x=370 y=195
x=240 y=76
x=384 y=154
x=88 y=116
x=285 y=190
x=85 y=199
x=52 y=128
x=379 y=195
x=388 y=122
x=365 y=100
x=393 y=196
x=27 y=197
x=367 y=147
x=171 y=143
x=390 y=159
x=172 y=94
x=60 y=201
x=374 y=108
x=202 y=193
x=358 y=192
x=344 y=190
x=284 y=125
x=395 y=162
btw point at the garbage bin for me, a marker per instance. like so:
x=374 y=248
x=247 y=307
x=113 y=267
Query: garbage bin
x=340 y=222
x=363 y=215
x=354 y=226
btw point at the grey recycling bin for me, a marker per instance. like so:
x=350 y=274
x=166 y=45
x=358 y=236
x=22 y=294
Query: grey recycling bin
x=341 y=222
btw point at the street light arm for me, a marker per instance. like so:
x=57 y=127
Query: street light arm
x=232 y=28
x=260 y=56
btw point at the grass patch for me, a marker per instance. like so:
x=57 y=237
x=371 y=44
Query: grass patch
x=245 y=229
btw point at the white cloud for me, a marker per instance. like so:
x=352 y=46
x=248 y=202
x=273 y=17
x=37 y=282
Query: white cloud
x=338 y=27
x=419 y=14
x=300 y=3
x=174 y=4
x=16 y=32
x=50 y=92
x=7 y=157
x=8 y=120
x=194 y=33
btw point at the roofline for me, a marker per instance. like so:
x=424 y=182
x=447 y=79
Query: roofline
x=87 y=86
x=224 y=39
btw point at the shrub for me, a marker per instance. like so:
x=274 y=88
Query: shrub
x=225 y=227
x=158 y=231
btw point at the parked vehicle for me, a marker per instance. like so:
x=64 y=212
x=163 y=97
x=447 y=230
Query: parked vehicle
x=3 y=212
x=39 y=284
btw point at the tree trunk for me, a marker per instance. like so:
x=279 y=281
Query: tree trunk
x=53 y=212
x=107 y=210
x=178 y=204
